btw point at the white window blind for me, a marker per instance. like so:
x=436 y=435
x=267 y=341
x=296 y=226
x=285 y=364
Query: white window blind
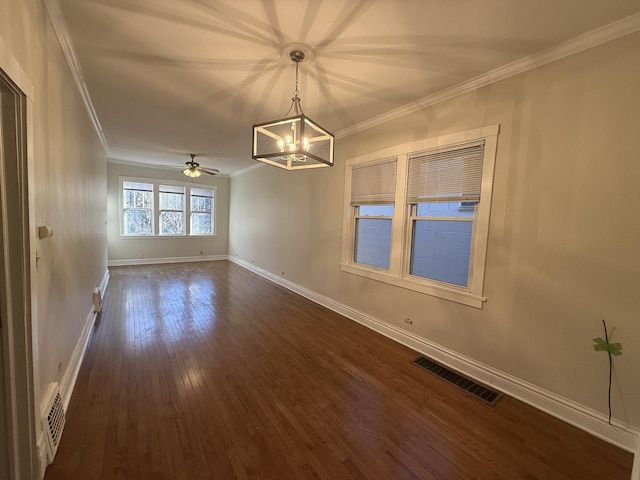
x=374 y=184
x=446 y=175
x=171 y=189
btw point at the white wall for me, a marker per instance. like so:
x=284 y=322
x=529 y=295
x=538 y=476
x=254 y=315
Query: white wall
x=129 y=249
x=564 y=229
x=69 y=178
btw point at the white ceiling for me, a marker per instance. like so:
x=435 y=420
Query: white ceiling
x=171 y=77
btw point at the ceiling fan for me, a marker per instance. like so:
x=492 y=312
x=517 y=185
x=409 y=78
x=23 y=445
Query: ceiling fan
x=194 y=170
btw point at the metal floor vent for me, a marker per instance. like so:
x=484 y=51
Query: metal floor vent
x=54 y=422
x=485 y=394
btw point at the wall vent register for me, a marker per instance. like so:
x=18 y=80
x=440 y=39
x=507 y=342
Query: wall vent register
x=53 y=421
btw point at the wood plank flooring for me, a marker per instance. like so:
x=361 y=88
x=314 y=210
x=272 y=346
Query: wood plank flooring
x=207 y=371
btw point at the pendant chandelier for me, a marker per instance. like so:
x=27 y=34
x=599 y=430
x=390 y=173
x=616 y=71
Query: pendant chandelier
x=295 y=141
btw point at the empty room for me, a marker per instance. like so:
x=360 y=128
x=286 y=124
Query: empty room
x=319 y=239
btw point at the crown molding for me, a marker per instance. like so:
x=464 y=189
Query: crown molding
x=62 y=32
x=575 y=45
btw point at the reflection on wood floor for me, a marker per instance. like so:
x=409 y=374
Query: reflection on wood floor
x=208 y=371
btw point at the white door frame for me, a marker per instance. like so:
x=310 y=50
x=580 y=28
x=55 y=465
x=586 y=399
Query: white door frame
x=17 y=243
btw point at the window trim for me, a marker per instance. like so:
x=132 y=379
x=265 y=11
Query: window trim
x=211 y=213
x=398 y=273
x=358 y=216
x=411 y=218
x=123 y=208
x=183 y=211
x=156 y=183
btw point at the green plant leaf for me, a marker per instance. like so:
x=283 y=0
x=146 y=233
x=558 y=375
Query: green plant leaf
x=615 y=349
x=601 y=345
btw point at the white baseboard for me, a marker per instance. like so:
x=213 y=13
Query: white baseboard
x=41 y=452
x=68 y=381
x=154 y=261
x=635 y=472
x=593 y=422
x=70 y=376
x=104 y=282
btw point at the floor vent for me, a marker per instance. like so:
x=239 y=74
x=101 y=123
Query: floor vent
x=54 y=421
x=485 y=394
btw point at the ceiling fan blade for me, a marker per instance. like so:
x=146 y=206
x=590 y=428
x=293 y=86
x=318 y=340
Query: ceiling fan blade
x=208 y=171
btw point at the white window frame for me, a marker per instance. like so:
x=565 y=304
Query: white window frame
x=398 y=273
x=182 y=211
x=358 y=216
x=211 y=213
x=156 y=208
x=412 y=217
x=124 y=209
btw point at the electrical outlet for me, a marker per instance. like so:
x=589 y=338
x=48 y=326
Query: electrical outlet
x=408 y=321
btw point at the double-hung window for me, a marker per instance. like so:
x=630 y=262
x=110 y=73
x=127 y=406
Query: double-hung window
x=157 y=208
x=443 y=190
x=137 y=215
x=201 y=211
x=171 y=210
x=418 y=215
x=372 y=197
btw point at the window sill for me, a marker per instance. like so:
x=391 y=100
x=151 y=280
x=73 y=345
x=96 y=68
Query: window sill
x=447 y=293
x=163 y=237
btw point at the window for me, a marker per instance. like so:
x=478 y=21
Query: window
x=138 y=208
x=171 y=210
x=373 y=235
x=147 y=203
x=420 y=220
x=201 y=211
x=438 y=183
x=372 y=196
x=441 y=242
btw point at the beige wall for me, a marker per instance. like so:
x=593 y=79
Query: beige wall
x=121 y=248
x=564 y=229
x=69 y=176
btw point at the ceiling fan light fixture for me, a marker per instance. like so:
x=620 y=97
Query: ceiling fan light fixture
x=191 y=172
x=194 y=170
x=294 y=142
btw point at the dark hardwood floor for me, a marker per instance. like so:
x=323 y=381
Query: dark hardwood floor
x=207 y=371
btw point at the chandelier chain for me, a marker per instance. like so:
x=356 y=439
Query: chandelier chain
x=296 y=92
